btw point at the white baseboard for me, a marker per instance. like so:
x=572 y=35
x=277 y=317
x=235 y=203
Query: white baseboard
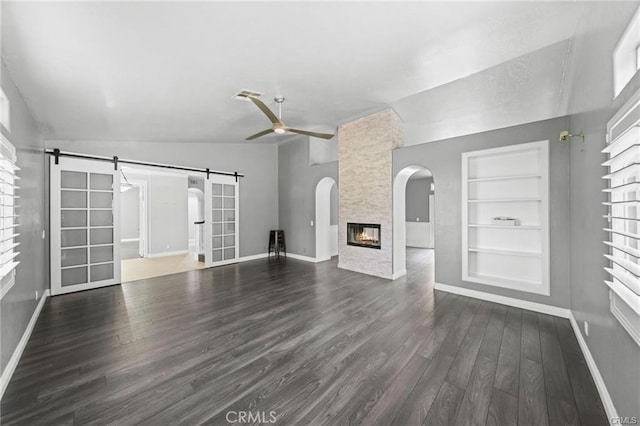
x=10 y=368
x=129 y=240
x=167 y=253
x=398 y=274
x=510 y=301
x=252 y=257
x=595 y=373
x=300 y=257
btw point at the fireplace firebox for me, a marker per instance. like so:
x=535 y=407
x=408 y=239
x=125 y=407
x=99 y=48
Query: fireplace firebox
x=363 y=235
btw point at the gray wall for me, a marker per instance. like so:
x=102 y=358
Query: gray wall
x=17 y=306
x=130 y=214
x=443 y=159
x=168 y=214
x=297 y=182
x=258 y=189
x=418 y=191
x=615 y=353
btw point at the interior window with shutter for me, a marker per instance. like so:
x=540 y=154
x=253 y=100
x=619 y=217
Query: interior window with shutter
x=8 y=215
x=623 y=215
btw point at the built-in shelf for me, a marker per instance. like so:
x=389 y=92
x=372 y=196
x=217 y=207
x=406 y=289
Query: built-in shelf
x=504 y=200
x=516 y=227
x=505 y=252
x=509 y=182
x=504 y=281
x=513 y=177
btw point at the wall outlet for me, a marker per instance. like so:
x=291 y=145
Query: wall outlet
x=36 y=294
x=44 y=233
x=417 y=219
x=586 y=328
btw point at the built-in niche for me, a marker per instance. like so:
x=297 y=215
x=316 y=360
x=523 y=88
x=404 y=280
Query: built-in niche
x=505 y=217
x=363 y=235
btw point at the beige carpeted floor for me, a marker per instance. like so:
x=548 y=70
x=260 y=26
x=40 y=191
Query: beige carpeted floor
x=138 y=269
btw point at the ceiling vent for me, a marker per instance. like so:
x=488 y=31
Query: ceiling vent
x=244 y=93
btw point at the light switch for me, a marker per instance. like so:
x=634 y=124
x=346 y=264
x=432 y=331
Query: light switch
x=311 y=223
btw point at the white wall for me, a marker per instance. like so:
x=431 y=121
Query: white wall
x=130 y=214
x=418 y=234
x=333 y=240
x=168 y=214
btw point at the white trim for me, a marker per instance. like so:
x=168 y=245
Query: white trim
x=129 y=240
x=399 y=241
x=305 y=258
x=323 y=218
x=10 y=368
x=504 y=300
x=593 y=368
x=8 y=285
x=398 y=274
x=253 y=257
x=167 y=253
x=624 y=317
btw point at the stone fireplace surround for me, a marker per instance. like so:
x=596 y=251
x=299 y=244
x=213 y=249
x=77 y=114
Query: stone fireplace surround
x=365 y=173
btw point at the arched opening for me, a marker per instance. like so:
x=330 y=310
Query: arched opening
x=326 y=219
x=413 y=217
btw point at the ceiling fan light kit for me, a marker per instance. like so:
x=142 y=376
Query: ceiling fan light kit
x=278 y=125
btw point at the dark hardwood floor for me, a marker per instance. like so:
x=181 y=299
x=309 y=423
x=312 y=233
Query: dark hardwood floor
x=313 y=344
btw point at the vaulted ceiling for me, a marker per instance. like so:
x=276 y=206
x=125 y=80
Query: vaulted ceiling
x=167 y=71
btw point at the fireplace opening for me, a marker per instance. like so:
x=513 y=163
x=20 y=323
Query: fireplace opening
x=363 y=235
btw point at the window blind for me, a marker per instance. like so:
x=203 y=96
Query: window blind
x=8 y=208
x=623 y=216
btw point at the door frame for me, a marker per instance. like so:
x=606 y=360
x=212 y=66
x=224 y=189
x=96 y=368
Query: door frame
x=143 y=222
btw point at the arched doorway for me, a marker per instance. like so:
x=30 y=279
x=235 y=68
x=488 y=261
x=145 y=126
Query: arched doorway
x=326 y=233
x=400 y=222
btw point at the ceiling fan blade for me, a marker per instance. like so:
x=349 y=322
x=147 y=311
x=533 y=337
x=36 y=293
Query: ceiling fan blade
x=257 y=135
x=307 y=133
x=265 y=109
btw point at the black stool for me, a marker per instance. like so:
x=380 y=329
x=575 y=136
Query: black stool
x=277 y=243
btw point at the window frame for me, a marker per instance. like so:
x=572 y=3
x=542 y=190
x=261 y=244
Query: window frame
x=622 y=244
x=8 y=215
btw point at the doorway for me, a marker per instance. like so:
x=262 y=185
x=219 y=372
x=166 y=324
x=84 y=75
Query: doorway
x=414 y=222
x=133 y=218
x=326 y=219
x=156 y=223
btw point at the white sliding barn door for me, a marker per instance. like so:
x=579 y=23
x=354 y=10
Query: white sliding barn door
x=221 y=220
x=85 y=225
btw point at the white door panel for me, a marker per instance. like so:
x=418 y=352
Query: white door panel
x=85 y=225
x=221 y=220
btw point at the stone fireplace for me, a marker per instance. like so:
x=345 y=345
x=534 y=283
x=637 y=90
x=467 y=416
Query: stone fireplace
x=363 y=235
x=365 y=194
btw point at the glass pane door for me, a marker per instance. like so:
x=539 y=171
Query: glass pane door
x=221 y=227
x=84 y=201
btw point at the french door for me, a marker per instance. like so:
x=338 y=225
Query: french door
x=85 y=224
x=221 y=220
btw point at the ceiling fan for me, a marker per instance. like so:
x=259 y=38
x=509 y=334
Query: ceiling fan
x=278 y=125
